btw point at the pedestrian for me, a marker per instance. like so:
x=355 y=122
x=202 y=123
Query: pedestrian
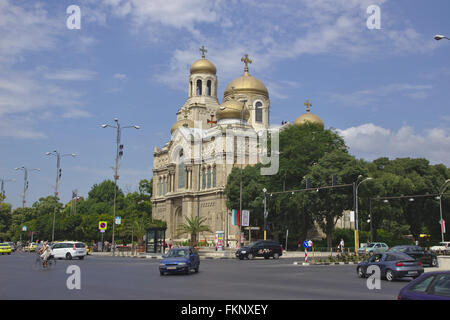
x=299 y=244
x=170 y=243
x=341 y=245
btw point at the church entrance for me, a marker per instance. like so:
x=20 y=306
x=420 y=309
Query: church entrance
x=177 y=221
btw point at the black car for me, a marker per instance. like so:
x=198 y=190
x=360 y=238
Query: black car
x=417 y=253
x=261 y=248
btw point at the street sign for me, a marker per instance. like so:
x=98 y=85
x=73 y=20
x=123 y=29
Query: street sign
x=352 y=216
x=102 y=231
x=102 y=225
x=245 y=218
x=252 y=228
x=118 y=220
x=24 y=228
x=305 y=244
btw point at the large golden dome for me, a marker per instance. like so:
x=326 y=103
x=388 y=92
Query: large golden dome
x=187 y=123
x=203 y=66
x=309 y=117
x=246 y=83
x=231 y=109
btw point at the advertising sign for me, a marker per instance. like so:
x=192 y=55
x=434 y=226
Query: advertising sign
x=220 y=235
x=118 y=220
x=245 y=218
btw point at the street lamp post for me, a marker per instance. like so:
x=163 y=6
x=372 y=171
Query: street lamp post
x=265 y=213
x=356 y=186
x=58 y=177
x=441 y=193
x=25 y=188
x=116 y=167
x=240 y=187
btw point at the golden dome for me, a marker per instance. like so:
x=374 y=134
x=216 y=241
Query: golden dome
x=246 y=84
x=309 y=117
x=187 y=123
x=203 y=66
x=231 y=109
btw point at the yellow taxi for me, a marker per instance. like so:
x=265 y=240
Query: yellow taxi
x=31 y=247
x=5 y=248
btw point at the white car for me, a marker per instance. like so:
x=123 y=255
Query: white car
x=68 y=250
x=442 y=247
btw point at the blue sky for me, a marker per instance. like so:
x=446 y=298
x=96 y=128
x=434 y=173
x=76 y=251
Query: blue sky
x=386 y=91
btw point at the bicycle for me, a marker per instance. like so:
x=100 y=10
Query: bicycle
x=39 y=263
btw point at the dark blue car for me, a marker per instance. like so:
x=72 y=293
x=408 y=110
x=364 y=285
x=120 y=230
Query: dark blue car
x=180 y=260
x=429 y=286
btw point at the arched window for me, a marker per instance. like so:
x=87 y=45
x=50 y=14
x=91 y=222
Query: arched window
x=209 y=177
x=199 y=87
x=160 y=187
x=208 y=88
x=181 y=171
x=190 y=89
x=203 y=179
x=258 y=112
x=214 y=174
x=165 y=186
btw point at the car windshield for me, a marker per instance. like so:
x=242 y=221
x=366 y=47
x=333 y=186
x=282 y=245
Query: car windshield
x=370 y=245
x=251 y=244
x=398 y=249
x=178 y=253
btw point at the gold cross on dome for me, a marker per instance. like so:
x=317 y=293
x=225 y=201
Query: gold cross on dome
x=203 y=50
x=307 y=104
x=246 y=60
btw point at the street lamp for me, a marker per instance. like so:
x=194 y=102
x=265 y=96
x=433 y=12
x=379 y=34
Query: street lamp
x=240 y=189
x=25 y=188
x=265 y=213
x=441 y=193
x=440 y=37
x=356 y=186
x=119 y=154
x=58 y=177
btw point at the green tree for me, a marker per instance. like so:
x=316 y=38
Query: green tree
x=193 y=226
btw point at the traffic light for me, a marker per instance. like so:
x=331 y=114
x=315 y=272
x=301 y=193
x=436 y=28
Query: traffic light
x=59 y=174
x=26 y=186
x=121 y=150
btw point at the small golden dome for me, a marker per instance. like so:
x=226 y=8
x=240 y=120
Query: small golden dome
x=308 y=117
x=246 y=84
x=203 y=66
x=187 y=123
x=231 y=109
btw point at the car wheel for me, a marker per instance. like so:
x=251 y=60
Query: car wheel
x=196 y=269
x=161 y=273
x=390 y=275
x=360 y=272
x=266 y=257
x=241 y=258
x=276 y=256
x=250 y=256
x=68 y=256
x=434 y=262
x=81 y=257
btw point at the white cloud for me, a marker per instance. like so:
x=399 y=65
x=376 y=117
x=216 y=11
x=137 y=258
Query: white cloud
x=370 y=141
x=120 y=76
x=71 y=75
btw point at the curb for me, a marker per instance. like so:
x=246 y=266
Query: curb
x=324 y=263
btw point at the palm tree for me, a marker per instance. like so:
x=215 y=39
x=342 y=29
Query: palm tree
x=193 y=226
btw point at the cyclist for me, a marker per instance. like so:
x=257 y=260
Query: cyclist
x=45 y=252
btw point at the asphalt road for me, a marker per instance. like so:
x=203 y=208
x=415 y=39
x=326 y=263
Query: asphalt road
x=218 y=279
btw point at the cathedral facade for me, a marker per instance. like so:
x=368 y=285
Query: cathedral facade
x=190 y=171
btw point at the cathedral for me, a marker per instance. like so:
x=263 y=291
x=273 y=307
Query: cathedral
x=190 y=171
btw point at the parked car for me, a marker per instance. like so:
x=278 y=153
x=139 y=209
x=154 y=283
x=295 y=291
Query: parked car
x=373 y=247
x=5 y=248
x=261 y=248
x=68 y=250
x=180 y=260
x=393 y=265
x=443 y=247
x=429 y=286
x=417 y=253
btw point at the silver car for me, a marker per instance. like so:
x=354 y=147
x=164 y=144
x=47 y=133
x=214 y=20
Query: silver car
x=393 y=265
